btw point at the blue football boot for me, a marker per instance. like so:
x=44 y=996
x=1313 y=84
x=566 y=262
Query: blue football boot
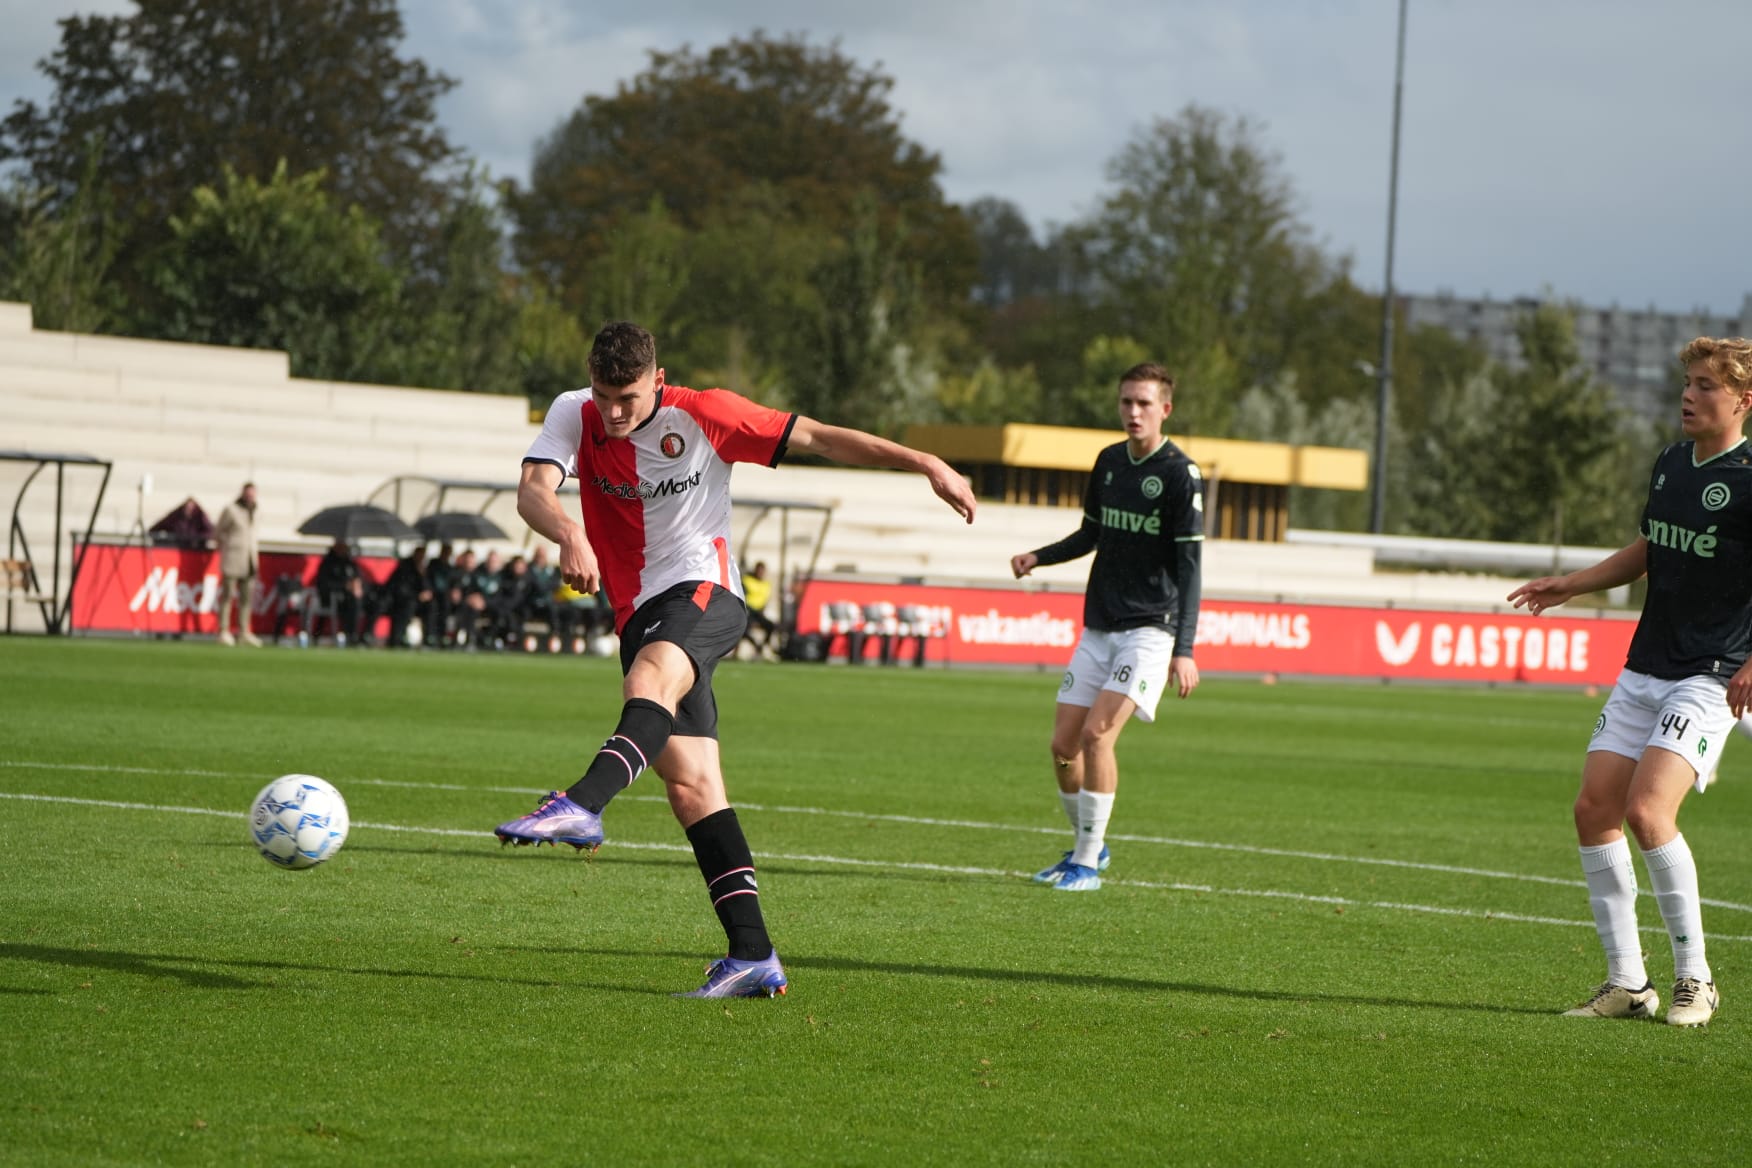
x=556 y=820
x=729 y=977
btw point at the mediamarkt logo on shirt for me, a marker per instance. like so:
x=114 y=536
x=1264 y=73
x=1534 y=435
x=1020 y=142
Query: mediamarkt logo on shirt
x=646 y=490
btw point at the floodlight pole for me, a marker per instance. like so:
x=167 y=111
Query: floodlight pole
x=1384 y=390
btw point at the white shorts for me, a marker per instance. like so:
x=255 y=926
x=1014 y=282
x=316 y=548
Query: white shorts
x=1691 y=718
x=1133 y=662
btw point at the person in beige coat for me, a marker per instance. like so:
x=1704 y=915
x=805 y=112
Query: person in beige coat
x=239 y=565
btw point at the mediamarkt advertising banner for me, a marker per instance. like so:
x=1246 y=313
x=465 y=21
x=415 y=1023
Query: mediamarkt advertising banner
x=125 y=588
x=1003 y=626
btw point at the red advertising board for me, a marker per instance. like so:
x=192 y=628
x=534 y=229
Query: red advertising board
x=1006 y=626
x=129 y=588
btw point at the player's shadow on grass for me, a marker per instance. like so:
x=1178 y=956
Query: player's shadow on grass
x=1081 y=980
x=200 y=972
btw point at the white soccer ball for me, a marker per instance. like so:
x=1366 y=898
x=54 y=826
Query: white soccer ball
x=298 y=821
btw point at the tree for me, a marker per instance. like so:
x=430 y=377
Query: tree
x=808 y=124
x=1012 y=264
x=1197 y=253
x=60 y=264
x=1568 y=455
x=641 y=274
x=758 y=206
x=553 y=353
x=859 y=365
x=180 y=89
x=277 y=265
x=989 y=395
x=1539 y=453
x=459 y=323
x=1280 y=413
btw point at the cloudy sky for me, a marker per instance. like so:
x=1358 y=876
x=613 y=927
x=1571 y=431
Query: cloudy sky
x=1597 y=149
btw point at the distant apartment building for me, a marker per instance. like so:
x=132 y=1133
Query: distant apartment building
x=1630 y=349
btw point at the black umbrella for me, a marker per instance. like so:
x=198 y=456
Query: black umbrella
x=449 y=525
x=353 y=521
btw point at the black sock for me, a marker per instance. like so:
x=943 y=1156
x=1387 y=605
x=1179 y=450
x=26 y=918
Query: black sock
x=728 y=866
x=637 y=741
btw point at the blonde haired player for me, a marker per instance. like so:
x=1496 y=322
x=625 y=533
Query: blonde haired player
x=1685 y=683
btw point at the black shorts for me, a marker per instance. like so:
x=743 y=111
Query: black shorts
x=706 y=622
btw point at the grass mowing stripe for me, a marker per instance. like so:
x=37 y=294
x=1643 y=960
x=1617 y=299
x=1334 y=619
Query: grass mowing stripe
x=929 y=821
x=918 y=866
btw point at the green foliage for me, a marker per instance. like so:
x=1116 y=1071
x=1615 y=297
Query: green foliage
x=1094 y=402
x=1567 y=452
x=1281 y=413
x=551 y=349
x=749 y=296
x=990 y=395
x=459 y=323
x=1539 y=454
x=277 y=265
x=808 y=124
x=1300 y=955
x=855 y=364
x=640 y=274
x=759 y=209
x=178 y=90
x=60 y=263
x=1198 y=253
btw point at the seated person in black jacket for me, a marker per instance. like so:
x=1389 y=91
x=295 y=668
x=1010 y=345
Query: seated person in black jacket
x=478 y=585
x=544 y=578
x=406 y=593
x=441 y=582
x=340 y=588
x=515 y=602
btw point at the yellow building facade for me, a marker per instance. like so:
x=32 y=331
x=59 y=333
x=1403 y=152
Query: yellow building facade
x=1247 y=484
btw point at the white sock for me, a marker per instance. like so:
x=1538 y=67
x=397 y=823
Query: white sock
x=1673 y=876
x=1068 y=800
x=1612 y=893
x=1094 y=809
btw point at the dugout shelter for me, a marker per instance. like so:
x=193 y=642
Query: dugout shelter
x=27 y=579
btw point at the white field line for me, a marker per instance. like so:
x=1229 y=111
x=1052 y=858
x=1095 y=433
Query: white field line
x=892 y=865
x=919 y=820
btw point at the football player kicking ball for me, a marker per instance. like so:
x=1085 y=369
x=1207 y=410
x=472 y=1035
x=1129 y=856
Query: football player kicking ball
x=1143 y=517
x=653 y=466
x=1664 y=725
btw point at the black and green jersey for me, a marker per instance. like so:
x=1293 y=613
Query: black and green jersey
x=1697 y=619
x=1144 y=520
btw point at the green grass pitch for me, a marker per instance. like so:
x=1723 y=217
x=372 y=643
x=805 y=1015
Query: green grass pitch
x=1338 y=927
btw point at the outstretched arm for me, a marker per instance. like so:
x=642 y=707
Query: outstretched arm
x=1621 y=567
x=856 y=448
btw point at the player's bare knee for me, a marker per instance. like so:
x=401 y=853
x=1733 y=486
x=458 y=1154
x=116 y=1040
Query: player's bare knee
x=1651 y=823
x=1594 y=815
x=1097 y=738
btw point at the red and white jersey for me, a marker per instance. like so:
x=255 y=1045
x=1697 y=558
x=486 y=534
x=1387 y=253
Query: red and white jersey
x=657 y=502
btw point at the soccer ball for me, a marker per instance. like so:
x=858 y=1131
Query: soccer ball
x=298 y=821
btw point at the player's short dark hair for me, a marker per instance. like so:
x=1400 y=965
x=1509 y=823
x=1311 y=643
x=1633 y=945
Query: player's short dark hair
x=621 y=354
x=1150 y=371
